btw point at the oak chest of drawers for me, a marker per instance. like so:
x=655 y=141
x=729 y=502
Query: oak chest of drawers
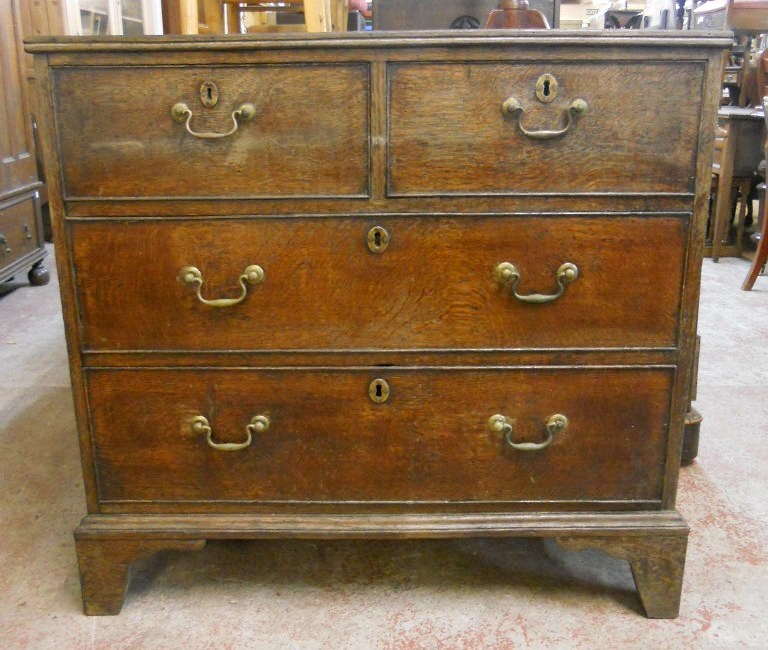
x=381 y=286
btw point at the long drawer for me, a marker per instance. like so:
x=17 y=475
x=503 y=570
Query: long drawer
x=304 y=135
x=452 y=132
x=381 y=434
x=435 y=283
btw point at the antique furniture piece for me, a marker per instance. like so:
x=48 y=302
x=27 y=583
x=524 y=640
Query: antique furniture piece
x=741 y=16
x=382 y=285
x=738 y=150
x=447 y=14
x=516 y=14
x=761 y=254
x=22 y=247
x=623 y=19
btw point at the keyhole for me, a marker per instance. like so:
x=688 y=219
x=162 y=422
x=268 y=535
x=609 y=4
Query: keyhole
x=378 y=239
x=546 y=88
x=209 y=92
x=378 y=390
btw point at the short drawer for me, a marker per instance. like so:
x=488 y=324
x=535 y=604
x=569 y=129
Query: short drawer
x=307 y=134
x=567 y=435
x=435 y=283
x=18 y=231
x=448 y=134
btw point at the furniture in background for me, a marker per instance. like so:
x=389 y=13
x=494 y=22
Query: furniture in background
x=436 y=307
x=740 y=16
x=401 y=15
x=623 y=19
x=739 y=139
x=226 y=16
x=747 y=19
x=761 y=254
x=22 y=247
x=37 y=18
x=516 y=14
x=312 y=15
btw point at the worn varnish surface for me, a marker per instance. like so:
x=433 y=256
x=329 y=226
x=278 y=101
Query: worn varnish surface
x=448 y=134
x=433 y=286
x=404 y=132
x=429 y=441
x=309 y=136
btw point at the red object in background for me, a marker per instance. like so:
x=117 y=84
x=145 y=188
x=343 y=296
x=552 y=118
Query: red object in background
x=516 y=14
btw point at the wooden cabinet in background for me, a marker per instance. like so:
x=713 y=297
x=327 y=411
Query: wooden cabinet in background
x=21 y=233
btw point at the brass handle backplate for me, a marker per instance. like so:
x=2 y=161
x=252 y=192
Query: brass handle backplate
x=507 y=273
x=576 y=109
x=252 y=275
x=555 y=424
x=258 y=424
x=182 y=113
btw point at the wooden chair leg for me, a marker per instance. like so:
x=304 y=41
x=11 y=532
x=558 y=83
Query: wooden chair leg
x=761 y=254
x=722 y=215
x=721 y=209
x=744 y=187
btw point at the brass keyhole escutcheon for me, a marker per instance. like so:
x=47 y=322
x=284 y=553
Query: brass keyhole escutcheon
x=378 y=239
x=378 y=391
x=546 y=88
x=209 y=94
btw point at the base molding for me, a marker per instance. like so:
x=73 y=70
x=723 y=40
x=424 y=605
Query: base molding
x=654 y=543
x=382 y=525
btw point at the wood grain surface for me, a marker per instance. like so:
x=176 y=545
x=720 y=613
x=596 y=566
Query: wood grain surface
x=448 y=135
x=309 y=136
x=433 y=287
x=429 y=441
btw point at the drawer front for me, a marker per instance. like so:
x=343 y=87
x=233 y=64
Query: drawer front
x=434 y=286
x=18 y=231
x=318 y=435
x=448 y=134
x=308 y=136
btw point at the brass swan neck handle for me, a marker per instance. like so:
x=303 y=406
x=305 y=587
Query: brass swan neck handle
x=183 y=113
x=554 y=424
x=252 y=275
x=507 y=273
x=258 y=424
x=576 y=110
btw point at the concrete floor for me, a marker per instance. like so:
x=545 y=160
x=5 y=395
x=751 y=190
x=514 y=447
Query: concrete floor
x=420 y=594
